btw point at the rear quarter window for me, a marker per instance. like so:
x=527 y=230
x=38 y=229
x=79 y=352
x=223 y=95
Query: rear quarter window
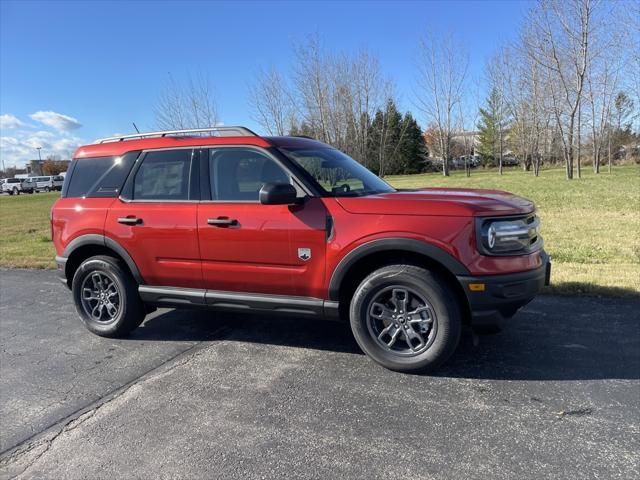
x=98 y=176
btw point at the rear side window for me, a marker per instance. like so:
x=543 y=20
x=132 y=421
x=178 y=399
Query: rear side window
x=98 y=176
x=163 y=175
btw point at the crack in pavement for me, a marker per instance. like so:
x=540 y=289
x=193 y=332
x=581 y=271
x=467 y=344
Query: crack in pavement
x=42 y=441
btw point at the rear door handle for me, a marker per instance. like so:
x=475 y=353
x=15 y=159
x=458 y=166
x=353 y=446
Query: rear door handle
x=130 y=220
x=222 y=222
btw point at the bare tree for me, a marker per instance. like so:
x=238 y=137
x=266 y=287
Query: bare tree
x=558 y=39
x=272 y=103
x=442 y=72
x=184 y=105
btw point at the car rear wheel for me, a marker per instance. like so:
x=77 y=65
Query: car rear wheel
x=16 y=191
x=405 y=318
x=106 y=297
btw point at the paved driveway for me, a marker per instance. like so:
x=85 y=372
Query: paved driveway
x=200 y=395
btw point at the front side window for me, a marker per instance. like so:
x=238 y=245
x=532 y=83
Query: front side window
x=337 y=174
x=163 y=175
x=238 y=174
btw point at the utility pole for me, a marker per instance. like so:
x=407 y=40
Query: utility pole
x=39 y=156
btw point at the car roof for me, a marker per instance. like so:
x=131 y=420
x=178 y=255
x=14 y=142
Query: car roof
x=120 y=145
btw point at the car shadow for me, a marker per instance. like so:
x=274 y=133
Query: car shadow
x=556 y=338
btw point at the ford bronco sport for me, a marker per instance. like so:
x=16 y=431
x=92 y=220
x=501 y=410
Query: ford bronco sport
x=225 y=219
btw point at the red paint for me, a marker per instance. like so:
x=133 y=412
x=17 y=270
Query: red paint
x=175 y=246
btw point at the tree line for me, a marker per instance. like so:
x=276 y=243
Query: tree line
x=567 y=89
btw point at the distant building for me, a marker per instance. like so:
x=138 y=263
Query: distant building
x=34 y=167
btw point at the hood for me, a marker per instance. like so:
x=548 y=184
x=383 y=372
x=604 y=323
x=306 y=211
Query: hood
x=461 y=202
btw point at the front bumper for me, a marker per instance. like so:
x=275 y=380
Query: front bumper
x=495 y=298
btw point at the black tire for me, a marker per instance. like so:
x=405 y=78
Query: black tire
x=47 y=189
x=16 y=191
x=129 y=309
x=11 y=192
x=441 y=334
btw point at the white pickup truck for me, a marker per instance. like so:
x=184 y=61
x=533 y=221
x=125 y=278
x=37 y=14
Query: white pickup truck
x=12 y=186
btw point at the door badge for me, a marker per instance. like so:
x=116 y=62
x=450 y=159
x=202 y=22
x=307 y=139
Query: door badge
x=304 y=254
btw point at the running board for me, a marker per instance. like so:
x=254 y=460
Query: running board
x=234 y=301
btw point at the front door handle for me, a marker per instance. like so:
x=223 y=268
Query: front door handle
x=130 y=220
x=222 y=222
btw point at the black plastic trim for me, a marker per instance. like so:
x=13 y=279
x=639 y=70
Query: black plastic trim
x=504 y=294
x=405 y=244
x=103 y=241
x=238 y=301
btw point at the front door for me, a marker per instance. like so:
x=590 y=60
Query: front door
x=246 y=246
x=156 y=221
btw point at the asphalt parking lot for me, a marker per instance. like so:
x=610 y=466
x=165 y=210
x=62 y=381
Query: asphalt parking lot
x=200 y=395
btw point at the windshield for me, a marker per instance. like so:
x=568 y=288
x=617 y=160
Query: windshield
x=337 y=174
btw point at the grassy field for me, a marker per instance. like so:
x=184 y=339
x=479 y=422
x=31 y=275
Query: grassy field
x=591 y=226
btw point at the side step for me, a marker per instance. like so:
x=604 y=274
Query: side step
x=235 y=301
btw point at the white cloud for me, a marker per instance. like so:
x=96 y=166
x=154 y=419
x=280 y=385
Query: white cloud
x=21 y=146
x=56 y=120
x=10 y=121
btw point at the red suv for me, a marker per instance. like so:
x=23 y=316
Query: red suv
x=225 y=219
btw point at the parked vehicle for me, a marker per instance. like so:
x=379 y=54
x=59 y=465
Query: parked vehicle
x=510 y=161
x=28 y=185
x=11 y=186
x=289 y=226
x=470 y=160
x=48 y=183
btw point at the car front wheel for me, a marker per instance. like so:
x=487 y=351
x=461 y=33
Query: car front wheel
x=106 y=297
x=406 y=318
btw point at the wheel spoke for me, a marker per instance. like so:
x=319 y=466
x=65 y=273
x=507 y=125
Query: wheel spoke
x=410 y=334
x=112 y=310
x=88 y=294
x=97 y=281
x=400 y=298
x=97 y=311
x=394 y=337
x=380 y=311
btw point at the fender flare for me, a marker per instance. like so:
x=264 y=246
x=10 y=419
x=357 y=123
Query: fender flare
x=104 y=241
x=407 y=244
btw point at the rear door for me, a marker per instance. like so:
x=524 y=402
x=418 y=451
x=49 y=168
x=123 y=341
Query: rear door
x=155 y=218
x=249 y=247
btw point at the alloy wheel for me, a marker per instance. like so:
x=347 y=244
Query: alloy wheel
x=402 y=321
x=100 y=297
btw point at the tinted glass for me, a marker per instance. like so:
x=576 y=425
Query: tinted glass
x=238 y=174
x=13 y=180
x=58 y=178
x=85 y=174
x=163 y=176
x=338 y=174
x=110 y=183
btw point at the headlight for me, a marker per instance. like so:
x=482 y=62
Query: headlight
x=509 y=236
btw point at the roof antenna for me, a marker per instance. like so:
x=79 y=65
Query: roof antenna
x=134 y=126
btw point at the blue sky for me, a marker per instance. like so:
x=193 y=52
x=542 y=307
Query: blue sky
x=74 y=71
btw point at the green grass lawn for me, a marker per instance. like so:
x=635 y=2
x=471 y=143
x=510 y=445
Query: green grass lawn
x=591 y=226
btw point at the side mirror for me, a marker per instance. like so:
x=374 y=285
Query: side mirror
x=278 y=194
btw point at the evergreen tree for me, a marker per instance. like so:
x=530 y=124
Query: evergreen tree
x=492 y=129
x=384 y=136
x=412 y=146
